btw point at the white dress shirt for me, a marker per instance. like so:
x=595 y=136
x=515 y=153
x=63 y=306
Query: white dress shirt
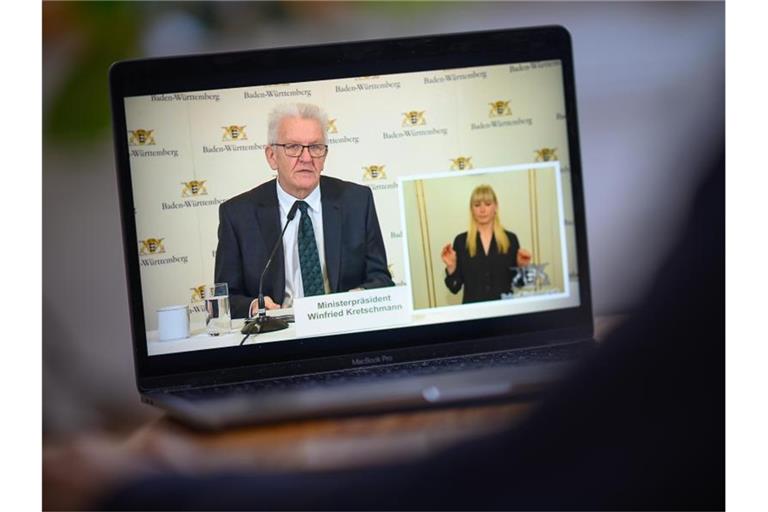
x=294 y=286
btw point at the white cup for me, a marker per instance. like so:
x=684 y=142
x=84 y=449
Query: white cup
x=173 y=322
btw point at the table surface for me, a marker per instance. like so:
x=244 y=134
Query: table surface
x=200 y=340
x=312 y=444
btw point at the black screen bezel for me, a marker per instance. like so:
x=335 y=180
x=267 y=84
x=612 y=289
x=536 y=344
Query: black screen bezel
x=342 y=60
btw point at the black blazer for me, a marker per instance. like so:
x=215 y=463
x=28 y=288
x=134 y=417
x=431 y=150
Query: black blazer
x=486 y=276
x=249 y=226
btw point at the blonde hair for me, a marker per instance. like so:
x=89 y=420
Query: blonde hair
x=485 y=193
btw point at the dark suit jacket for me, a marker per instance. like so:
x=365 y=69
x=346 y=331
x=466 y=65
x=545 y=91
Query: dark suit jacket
x=249 y=226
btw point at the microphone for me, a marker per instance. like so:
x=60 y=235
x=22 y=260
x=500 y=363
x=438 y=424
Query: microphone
x=263 y=323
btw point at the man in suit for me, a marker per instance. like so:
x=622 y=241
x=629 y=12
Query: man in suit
x=334 y=243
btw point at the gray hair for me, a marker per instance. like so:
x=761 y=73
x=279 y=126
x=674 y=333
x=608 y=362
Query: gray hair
x=303 y=110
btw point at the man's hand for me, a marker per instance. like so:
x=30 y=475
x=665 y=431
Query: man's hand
x=523 y=257
x=449 y=258
x=268 y=303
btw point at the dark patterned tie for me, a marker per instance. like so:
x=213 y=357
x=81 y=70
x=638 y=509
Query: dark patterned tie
x=311 y=274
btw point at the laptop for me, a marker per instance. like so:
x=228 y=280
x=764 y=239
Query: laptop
x=445 y=260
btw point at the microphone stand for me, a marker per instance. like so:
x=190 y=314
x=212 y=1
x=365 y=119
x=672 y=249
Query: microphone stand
x=262 y=322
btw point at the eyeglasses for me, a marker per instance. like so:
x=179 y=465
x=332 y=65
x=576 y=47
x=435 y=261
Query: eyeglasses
x=294 y=150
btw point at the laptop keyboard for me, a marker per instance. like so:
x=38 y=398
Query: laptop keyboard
x=553 y=353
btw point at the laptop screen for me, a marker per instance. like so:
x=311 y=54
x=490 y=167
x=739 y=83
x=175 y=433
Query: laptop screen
x=439 y=196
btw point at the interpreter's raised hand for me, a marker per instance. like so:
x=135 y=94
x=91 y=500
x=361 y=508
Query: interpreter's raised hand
x=449 y=258
x=524 y=257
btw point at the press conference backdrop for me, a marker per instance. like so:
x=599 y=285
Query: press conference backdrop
x=190 y=152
